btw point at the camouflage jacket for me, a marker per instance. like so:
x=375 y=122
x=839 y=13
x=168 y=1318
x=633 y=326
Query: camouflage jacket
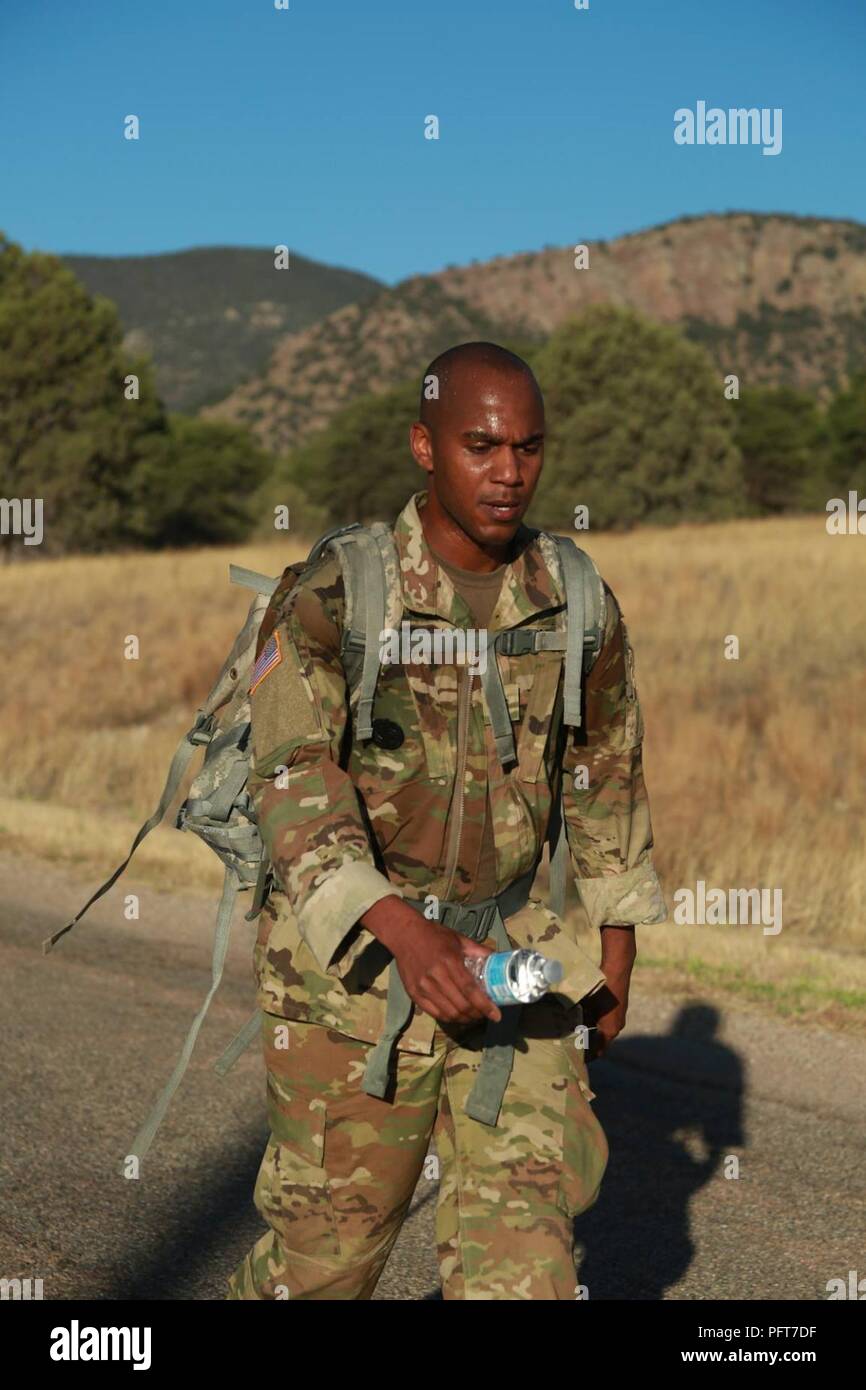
x=346 y=824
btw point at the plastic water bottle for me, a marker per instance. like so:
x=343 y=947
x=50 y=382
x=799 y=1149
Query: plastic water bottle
x=514 y=977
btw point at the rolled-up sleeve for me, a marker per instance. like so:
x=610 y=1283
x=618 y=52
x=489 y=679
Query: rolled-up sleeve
x=605 y=799
x=308 y=811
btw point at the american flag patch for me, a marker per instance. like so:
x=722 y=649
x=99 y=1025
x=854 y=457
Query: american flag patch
x=269 y=657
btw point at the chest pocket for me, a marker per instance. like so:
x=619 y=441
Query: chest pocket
x=537 y=677
x=421 y=700
x=433 y=689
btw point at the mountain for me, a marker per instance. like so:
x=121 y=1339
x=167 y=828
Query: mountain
x=774 y=298
x=360 y=348
x=211 y=317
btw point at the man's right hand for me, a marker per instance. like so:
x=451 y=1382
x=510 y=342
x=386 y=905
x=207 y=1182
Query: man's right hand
x=430 y=960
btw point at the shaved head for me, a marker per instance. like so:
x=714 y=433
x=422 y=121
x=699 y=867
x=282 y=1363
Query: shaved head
x=460 y=366
x=479 y=437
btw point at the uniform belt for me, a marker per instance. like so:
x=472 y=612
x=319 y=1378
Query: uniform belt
x=475 y=921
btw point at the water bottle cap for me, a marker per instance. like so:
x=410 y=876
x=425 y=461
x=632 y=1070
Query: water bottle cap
x=552 y=972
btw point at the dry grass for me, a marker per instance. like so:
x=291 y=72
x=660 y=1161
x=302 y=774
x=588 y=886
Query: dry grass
x=814 y=984
x=755 y=767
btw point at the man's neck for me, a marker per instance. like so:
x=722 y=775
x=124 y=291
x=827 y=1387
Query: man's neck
x=450 y=541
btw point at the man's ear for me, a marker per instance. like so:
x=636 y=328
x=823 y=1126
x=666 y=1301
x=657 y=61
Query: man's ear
x=421 y=444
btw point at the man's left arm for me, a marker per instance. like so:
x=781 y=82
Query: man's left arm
x=607 y=818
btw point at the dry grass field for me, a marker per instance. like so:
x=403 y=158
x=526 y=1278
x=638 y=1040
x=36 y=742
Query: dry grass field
x=756 y=767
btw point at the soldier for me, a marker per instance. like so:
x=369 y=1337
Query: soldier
x=367 y=1060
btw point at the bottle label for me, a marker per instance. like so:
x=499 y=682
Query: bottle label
x=496 y=980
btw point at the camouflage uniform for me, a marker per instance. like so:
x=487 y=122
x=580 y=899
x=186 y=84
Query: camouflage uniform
x=345 y=825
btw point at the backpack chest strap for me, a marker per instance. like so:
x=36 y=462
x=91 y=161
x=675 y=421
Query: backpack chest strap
x=579 y=648
x=371 y=574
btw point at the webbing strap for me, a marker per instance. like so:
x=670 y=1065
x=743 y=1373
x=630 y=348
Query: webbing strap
x=260 y=890
x=251 y=579
x=517 y=641
x=239 y=1043
x=356 y=560
x=591 y=604
x=473 y=920
x=144 y=1138
x=497 y=705
x=397 y=1010
x=573 y=575
x=485 y=1099
x=199 y=733
x=584 y=634
x=550 y=641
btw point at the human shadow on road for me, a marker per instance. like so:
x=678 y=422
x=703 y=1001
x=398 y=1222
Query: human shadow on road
x=671 y=1107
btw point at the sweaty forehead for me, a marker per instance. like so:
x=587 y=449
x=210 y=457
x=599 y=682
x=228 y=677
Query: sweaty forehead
x=477 y=395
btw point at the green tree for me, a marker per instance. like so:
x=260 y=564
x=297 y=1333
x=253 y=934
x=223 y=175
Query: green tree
x=68 y=435
x=198 y=488
x=782 y=438
x=638 y=429
x=846 y=426
x=360 y=467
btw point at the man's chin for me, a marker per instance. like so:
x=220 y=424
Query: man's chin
x=498 y=528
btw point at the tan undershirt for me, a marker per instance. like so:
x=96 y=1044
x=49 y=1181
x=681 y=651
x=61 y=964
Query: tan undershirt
x=480 y=592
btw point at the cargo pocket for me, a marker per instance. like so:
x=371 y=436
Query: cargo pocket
x=292 y=1190
x=584 y=1148
x=538 y=928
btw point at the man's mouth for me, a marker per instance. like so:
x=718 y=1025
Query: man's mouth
x=503 y=511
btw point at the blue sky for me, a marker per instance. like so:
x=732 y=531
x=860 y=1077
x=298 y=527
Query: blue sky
x=260 y=127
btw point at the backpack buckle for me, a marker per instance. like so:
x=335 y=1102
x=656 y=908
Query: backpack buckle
x=202 y=730
x=472 y=920
x=515 y=641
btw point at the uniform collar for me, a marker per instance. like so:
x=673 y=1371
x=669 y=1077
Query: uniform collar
x=528 y=587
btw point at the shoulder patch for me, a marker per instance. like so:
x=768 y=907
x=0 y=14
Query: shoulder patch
x=268 y=660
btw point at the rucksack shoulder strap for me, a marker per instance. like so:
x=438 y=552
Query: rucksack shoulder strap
x=334 y=534
x=584 y=593
x=370 y=565
x=586 y=620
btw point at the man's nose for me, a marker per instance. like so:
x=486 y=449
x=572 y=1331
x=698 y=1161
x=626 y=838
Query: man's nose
x=506 y=465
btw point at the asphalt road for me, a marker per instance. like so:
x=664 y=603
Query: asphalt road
x=91 y=1032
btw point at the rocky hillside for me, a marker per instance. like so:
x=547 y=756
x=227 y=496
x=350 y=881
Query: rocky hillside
x=361 y=348
x=774 y=298
x=210 y=317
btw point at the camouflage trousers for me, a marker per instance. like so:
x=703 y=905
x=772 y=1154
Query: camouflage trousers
x=340 y=1167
